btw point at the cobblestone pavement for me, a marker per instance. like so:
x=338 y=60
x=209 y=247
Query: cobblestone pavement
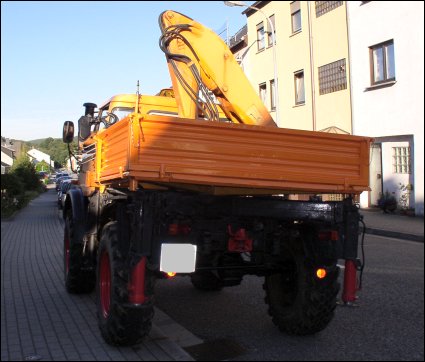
x=39 y=319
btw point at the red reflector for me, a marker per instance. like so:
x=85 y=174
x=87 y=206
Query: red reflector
x=328 y=235
x=179 y=229
x=239 y=241
x=184 y=229
x=136 y=286
x=173 y=229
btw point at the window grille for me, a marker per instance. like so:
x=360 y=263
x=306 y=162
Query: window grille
x=401 y=160
x=323 y=7
x=334 y=197
x=332 y=77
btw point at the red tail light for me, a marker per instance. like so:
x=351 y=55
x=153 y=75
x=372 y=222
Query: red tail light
x=178 y=229
x=173 y=229
x=328 y=235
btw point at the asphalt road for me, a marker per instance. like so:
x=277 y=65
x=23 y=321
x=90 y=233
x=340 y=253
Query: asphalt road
x=387 y=325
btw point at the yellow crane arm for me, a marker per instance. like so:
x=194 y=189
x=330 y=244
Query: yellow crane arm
x=200 y=62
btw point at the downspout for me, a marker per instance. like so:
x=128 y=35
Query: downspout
x=313 y=90
x=349 y=70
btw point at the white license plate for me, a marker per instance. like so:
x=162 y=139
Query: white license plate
x=178 y=258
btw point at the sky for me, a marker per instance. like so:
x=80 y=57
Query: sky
x=55 y=56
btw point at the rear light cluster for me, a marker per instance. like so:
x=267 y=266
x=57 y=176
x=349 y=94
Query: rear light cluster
x=328 y=235
x=178 y=229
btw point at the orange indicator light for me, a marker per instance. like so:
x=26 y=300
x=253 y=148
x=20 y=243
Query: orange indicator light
x=321 y=273
x=171 y=274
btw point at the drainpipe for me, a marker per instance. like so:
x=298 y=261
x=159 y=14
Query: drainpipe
x=349 y=70
x=313 y=90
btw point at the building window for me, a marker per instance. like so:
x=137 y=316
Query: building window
x=299 y=87
x=323 y=7
x=382 y=64
x=401 y=160
x=272 y=95
x=332 y=77
x=295 y=17
x=260 y=36
x=263 y=92
x=269 y=33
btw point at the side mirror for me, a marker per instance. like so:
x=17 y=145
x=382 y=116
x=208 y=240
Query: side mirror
x=84 y=125
x=68 y=132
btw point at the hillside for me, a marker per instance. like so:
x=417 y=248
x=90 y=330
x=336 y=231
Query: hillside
x=41 y=140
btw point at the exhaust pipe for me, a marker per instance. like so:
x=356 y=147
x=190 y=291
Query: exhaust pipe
x=89 y=109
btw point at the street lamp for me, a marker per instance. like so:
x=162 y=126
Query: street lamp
x=241 y=3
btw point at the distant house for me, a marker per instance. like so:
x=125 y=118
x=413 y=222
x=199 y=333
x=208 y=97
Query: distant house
x=16 y=146
x=7 y=158
x=38 y=156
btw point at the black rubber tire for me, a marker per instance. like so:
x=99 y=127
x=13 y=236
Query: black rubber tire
x=79 y=278
x=206 y=280
x=124 y=324
x=299 y=302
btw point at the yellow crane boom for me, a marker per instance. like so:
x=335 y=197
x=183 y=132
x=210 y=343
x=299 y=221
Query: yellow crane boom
x=199 y=63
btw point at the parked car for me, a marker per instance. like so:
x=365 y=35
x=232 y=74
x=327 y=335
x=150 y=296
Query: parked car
x=65 y=186
x=42 y=175
x=59 y=179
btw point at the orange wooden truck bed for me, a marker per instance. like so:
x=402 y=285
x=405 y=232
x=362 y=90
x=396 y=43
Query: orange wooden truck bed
x=227 y=158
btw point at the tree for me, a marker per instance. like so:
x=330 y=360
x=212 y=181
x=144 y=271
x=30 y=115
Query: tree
x=42 y=166
x=11 y=184
x=25 y=170
x=46 y=144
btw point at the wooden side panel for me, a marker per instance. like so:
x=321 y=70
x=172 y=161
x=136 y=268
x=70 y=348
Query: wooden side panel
x=178 y=151
x=112 y=146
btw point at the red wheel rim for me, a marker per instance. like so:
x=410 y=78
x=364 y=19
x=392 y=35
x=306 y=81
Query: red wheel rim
x=105 y=284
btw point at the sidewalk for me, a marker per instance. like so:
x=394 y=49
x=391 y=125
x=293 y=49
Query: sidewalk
x=393 y=225
x=39 y=319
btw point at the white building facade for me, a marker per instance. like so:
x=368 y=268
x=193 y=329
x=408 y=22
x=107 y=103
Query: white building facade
x=386 y=45
x=39 y=156
x=6 y=160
